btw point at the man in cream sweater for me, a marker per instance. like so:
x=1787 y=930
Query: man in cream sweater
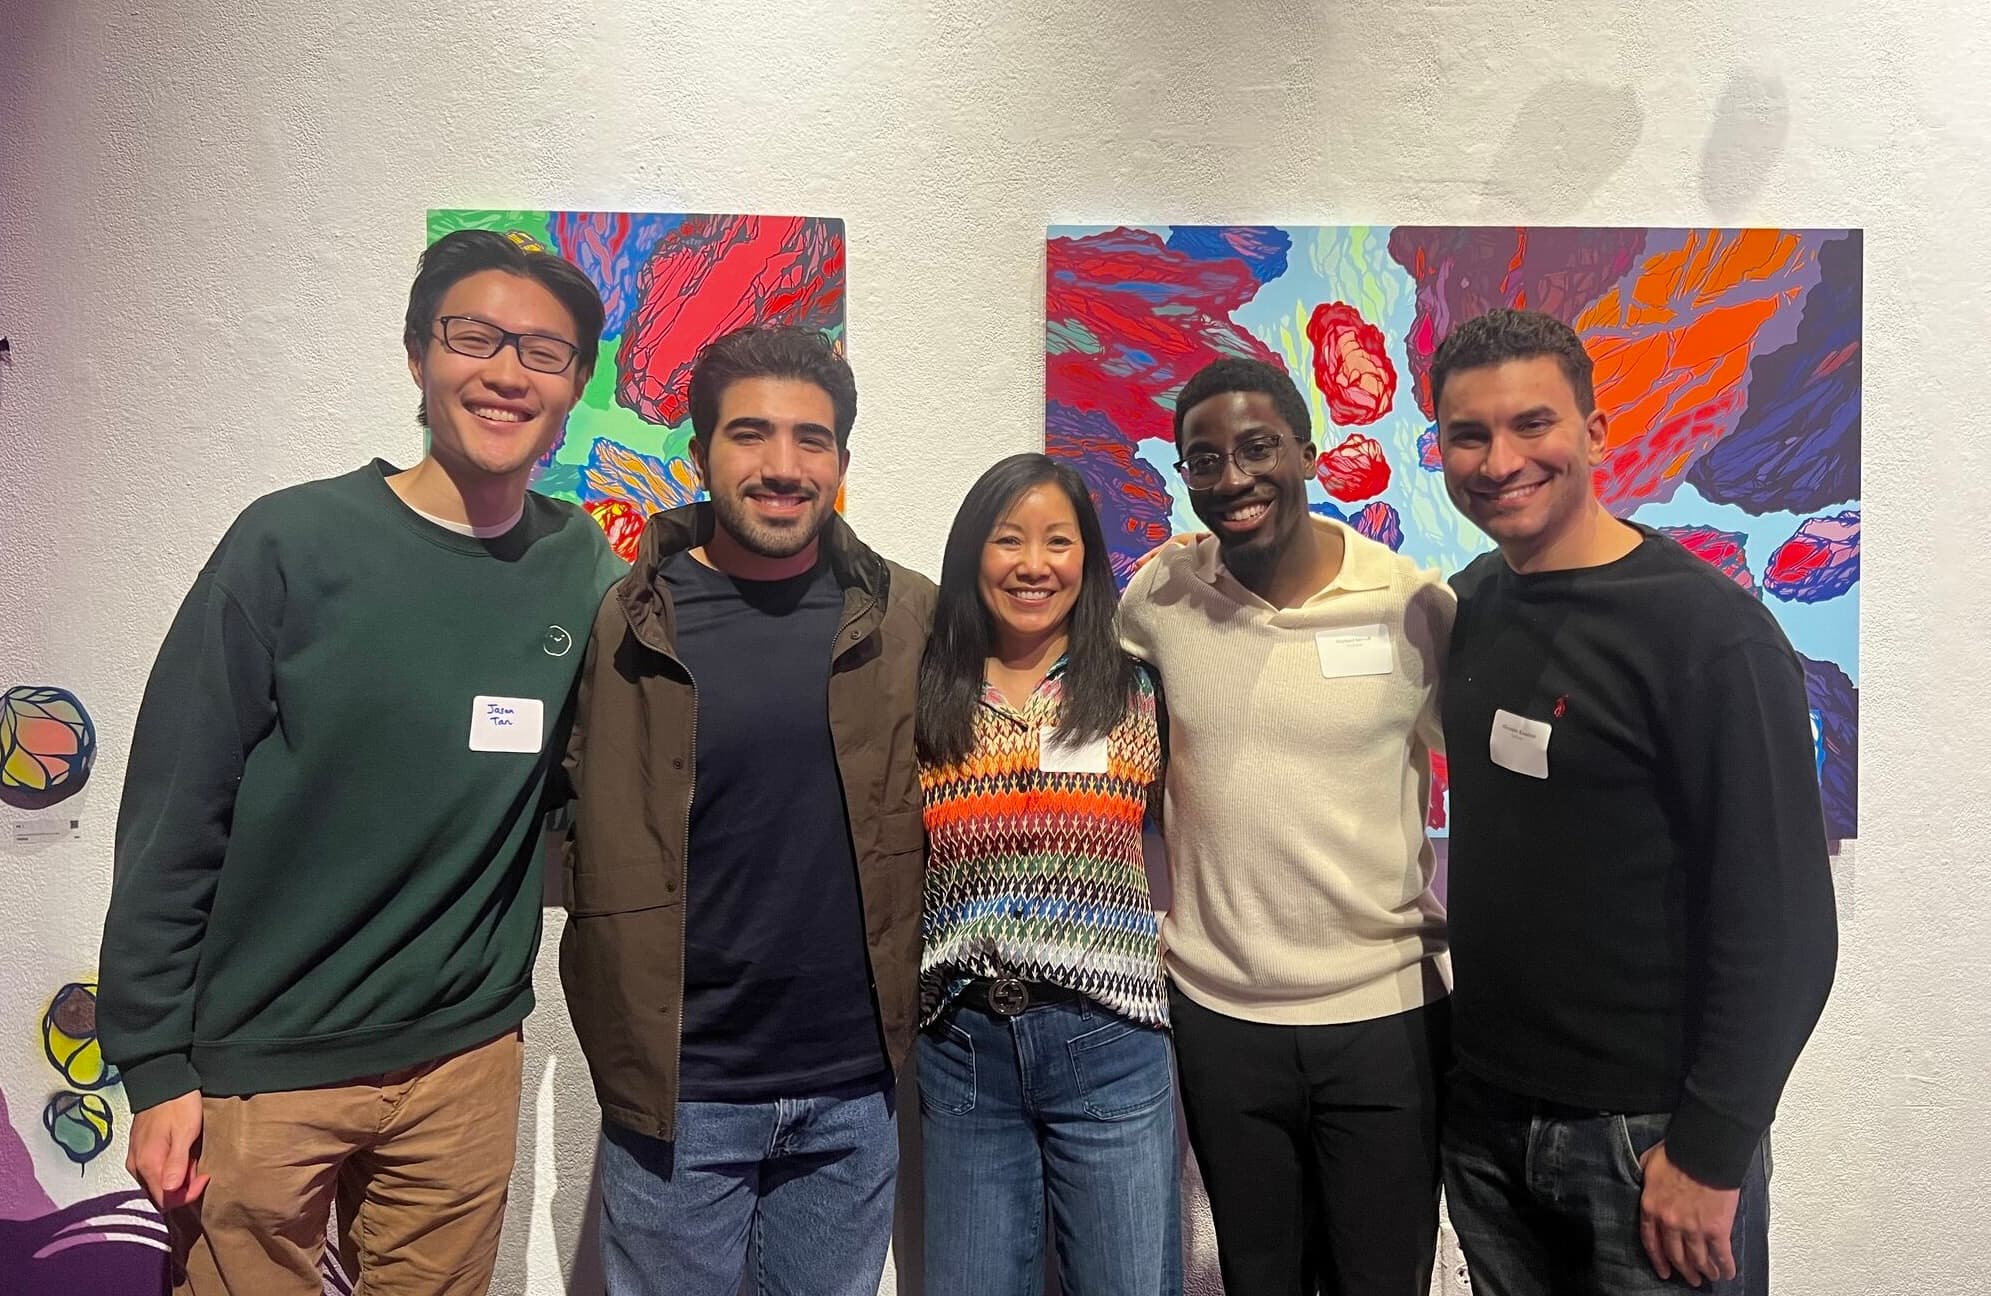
x=1306 y=954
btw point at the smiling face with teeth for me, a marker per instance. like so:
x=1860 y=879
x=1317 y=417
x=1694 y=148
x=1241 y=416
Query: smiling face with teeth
x=773 y=468
x=1517 y=453
x=1033 y=565
x=494 y=417
x=1254 y=518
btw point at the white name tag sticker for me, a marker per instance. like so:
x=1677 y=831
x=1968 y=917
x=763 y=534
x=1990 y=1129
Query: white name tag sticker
x=1520 y=744
x=502 y=724
x=1356 y=650
x=1056 y=756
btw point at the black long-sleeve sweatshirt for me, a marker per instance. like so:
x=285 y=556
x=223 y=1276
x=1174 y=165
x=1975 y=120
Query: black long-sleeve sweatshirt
x=1650 y=927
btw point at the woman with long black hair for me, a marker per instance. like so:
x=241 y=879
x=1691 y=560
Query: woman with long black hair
x=1044 y=1065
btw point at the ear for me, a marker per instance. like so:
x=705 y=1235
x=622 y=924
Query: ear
x=415 y=365
x=698 y=461
x=1595 y=436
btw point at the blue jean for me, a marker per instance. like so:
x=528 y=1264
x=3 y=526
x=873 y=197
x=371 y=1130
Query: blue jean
x=796 y=1193
x=1545 y=1199
x=1070 y=1103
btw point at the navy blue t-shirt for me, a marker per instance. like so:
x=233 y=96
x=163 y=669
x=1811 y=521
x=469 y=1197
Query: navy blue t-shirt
x=777 y=985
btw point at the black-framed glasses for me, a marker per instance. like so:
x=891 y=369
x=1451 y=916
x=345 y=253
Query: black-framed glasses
x=1254 y=458
x=480 y=340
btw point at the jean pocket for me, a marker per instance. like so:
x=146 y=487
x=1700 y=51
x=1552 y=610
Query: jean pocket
x=946 y=1070
x=1121 y=1070
x=1634 y=1136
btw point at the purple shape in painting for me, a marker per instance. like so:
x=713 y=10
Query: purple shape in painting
x=1463 y=271
x=113 y=1243
x=1796 y=448
x=1835 y=707
x=612 y=248
x=1131 y=497
x=1379 y=522
x=1427 y=450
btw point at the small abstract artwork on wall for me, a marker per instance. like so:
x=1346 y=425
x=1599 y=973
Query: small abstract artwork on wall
x=47 y=745
x=671 y=283
x=69 y=1038
x=80 y=1124
x=1728 y=361
x=113 y=1241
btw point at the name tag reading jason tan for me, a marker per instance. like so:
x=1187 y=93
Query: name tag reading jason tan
x=502 y=724
x=1355 y=650
x=1520 y=744
x=1056 y=756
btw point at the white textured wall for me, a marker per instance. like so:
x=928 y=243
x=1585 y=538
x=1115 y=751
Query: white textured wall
x=209 y=215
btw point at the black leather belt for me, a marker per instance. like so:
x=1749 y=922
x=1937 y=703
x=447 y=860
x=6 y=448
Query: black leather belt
x=1009 y=996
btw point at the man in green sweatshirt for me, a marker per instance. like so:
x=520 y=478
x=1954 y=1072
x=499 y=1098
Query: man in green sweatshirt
x=326 y=909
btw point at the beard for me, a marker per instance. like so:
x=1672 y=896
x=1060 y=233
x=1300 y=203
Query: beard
x=1253 y=558
x=778 y=540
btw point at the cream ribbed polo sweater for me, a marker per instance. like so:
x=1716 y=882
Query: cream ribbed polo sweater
x=1295 y=803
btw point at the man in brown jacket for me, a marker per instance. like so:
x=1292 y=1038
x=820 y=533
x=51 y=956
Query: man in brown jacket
x=743 y=881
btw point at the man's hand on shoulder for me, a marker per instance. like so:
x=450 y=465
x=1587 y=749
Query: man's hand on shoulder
x=1187 y=537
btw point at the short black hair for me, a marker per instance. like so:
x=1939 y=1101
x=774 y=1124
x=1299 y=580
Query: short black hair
x=771 y=351
x=1236 y=374
x=1507 y=334
x=461 y=253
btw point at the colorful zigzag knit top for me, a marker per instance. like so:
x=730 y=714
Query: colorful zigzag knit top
x=1038 y=874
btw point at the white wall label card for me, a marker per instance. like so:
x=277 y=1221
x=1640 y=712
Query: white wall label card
x=33 y=832
x=1355 y=650
x=1520 y=744
x=1056 y=756
x=502 y=724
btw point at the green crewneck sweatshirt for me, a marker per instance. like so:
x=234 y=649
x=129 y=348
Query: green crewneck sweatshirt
x=328 y=857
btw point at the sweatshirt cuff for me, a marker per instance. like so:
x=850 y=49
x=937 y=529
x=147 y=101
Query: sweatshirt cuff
x=1710 y=1146
x=158 y=1080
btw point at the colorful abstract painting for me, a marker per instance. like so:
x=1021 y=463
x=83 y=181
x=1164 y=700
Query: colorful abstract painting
x=47 y=745
x=671 y=283
x=1728 y=360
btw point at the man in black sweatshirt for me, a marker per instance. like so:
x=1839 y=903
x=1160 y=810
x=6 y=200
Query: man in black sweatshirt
x=1641 y=908
x=321 y=934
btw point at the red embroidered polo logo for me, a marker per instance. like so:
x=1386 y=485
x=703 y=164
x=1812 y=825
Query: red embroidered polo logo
x=1561 y=705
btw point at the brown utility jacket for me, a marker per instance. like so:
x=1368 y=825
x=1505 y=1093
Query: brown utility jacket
x=630 y=762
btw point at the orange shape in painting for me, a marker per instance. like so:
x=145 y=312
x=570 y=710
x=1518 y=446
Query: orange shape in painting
x=1671 y=350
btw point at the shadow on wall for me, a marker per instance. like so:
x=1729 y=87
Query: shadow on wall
x=1752 y=121
x=1568 y=138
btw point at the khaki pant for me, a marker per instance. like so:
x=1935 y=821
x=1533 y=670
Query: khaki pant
x=418 y=1160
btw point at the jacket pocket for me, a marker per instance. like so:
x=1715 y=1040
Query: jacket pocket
x=901 y=831
x=624 y=886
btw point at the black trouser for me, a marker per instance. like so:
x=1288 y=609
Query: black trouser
x=1318 y=1146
